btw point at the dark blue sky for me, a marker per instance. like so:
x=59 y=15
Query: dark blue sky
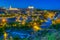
x=41 y=4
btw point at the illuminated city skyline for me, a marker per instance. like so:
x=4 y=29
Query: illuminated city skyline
x=40 y=4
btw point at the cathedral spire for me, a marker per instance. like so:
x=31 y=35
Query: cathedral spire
x=10 y=6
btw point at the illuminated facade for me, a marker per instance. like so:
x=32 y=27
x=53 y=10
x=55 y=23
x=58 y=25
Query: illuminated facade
x=12 y=8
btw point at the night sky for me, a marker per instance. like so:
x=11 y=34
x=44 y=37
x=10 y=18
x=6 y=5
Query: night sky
x=40 y=4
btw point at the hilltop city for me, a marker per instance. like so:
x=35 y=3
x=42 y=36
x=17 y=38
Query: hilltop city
x=27 y=19
x=30 y=14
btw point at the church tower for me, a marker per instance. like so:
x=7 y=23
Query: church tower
x=12 y=8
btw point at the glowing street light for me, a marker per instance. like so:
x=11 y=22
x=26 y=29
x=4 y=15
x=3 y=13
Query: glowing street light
x=5 y=36
x=3 y=20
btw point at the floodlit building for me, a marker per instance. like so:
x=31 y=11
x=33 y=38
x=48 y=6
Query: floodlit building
x=31 y=7
x=12 y=8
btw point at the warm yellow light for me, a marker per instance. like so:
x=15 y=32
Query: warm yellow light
x=35 y=23
x=53 y=22
x=3 y=20
x=41 y=20
x=5 y=35
x=51 y=15
x=36 y=28
x=23 y=23
x=58 y=21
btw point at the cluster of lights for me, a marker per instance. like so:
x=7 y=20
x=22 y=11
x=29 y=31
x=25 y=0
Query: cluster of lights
x=36 y=26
